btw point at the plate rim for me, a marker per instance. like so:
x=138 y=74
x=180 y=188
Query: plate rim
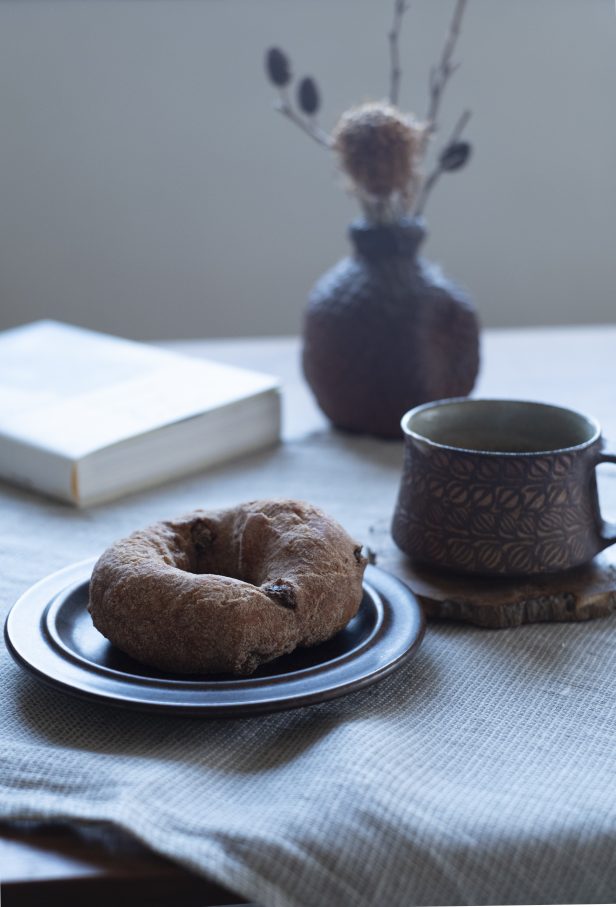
x=41 y=596
x=241 y=681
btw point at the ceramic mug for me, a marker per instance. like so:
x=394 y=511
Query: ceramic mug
x=500 y=487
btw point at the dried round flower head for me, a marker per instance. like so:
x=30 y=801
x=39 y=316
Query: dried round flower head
x=379 y=148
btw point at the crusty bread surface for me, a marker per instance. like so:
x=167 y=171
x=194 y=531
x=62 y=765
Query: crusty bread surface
x=225 y=591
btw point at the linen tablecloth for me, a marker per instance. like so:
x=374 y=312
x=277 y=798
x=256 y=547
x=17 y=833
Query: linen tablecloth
x=482 y=772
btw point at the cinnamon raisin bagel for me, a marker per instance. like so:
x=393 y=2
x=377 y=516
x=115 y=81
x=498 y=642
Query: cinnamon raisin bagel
x=225 y=591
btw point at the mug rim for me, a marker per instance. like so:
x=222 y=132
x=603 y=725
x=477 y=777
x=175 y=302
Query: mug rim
x=434 y=404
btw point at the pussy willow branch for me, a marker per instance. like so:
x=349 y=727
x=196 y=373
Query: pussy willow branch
x=444 y=69
x=428 y=184
x=285 y=107
x=395 y=72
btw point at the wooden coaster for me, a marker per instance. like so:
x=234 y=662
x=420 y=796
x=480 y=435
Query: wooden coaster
x=581 y=594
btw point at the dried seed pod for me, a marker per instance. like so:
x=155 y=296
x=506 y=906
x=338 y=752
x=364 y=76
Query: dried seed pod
x=455 y=156
x=278 y=67
x=308 y=99
x=379 y=148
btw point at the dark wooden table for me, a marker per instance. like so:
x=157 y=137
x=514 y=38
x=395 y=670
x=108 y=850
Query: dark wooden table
x=56 y=867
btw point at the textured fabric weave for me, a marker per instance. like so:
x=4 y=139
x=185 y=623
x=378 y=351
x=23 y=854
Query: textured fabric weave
x=483 y=772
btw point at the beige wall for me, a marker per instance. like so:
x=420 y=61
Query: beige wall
x=147 y=188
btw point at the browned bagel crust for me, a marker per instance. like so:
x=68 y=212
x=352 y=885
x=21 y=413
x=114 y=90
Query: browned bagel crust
x=224 y=591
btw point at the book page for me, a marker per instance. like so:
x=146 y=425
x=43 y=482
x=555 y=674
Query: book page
x=46 y=363
x=74 y=392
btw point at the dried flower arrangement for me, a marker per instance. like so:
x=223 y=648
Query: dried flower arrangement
x=382 y=150
x=384 y=329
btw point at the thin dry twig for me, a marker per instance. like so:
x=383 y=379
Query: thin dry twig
x=395 y=72
x=444 y=69
x=431 y=179
x=315 y=133
x=458 y=129
x=285 y=107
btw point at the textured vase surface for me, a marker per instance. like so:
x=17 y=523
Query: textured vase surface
x=385 y=331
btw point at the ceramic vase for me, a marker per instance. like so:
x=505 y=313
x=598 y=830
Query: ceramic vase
x=385 y=331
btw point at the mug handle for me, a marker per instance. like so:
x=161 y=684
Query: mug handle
x=608 y=530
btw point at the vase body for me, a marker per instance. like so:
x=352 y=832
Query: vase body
x=385 y=331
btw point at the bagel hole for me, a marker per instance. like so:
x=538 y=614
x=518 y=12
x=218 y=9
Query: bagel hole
x=212 y=558
x=202 y=535
x=212 y=553
x=205 y=558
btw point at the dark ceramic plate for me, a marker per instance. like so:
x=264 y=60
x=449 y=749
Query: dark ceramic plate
x=49 y=632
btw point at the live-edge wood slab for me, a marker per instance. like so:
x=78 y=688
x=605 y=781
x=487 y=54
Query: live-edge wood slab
x=584 y=593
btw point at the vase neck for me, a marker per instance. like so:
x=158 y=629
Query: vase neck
x=377 y=241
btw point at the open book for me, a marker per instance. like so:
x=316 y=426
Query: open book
x=87 y=417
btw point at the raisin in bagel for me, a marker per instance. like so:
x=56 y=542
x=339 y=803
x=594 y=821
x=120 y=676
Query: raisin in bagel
x=226 y=590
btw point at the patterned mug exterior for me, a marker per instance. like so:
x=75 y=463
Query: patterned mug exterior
x=500 y=512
